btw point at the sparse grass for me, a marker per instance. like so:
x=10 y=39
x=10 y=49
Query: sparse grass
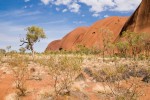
x=18 y=66
x=64 y=70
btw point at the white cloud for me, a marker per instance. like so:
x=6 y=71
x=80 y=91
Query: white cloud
x=30 y=6
x=62 y=2
x=83 y=15
x=64 y=10
x=19 y=13
x=71 y=5
x=74 y=7
x=51 y=22
x=96 y=6
x=105 y=16
x=26 y=0
x=124 y=5
x=25 y=6
x=46 y=2
x=95 y=15
x=57 y=9
x=78 y=22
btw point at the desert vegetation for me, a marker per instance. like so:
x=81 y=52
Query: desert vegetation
x=33 y=35
x=77 y=75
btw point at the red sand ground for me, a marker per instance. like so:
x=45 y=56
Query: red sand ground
x=7 y=88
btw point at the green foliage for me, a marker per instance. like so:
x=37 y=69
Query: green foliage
x=22 y=50
x=107 y=38
x=34 y=34
x=121 y=69
x=2 y=51
x=63 y=70
x=19 y=68
x=8 y=48
x=84 y=50
x=122 y=46
x=13 y=51
x=134 y=39
x=146 y=44
x=134 y=43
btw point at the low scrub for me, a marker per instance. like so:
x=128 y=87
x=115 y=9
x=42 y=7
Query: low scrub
x=64 y=70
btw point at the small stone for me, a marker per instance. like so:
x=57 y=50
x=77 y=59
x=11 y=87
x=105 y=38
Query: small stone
x=146 y=79
x=80 y=77
x=88 y=71
x=32 y=70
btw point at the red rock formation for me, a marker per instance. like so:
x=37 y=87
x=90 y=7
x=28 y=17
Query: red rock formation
x=89 y=37
x=54 y=45
x=69 y=41
x=139 y=22
x=72 y=39
x=93 y=37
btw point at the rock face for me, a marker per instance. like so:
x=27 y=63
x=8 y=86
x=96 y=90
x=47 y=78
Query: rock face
x=69 y=41
x=72 y=39
x=139 y=22
x=93 y=37
x=89 y=36
x=54 y=45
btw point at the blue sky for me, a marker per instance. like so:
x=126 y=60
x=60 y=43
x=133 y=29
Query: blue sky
x=56 y=17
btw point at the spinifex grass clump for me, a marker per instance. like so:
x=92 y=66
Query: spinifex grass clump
x=64 y=70
x=19 y=68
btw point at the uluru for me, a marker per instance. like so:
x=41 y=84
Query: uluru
x=139 y=21
x=90 y=37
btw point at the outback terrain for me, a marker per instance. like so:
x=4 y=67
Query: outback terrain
x=109 y=60
x=73 y=77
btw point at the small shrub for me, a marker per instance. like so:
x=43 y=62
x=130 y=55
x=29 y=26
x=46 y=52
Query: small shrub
x=63 y=71
x=19 y=68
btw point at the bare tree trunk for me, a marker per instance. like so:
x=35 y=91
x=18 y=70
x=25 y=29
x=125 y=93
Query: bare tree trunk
x=32 y=51
x=33 y=54
x=103 y=55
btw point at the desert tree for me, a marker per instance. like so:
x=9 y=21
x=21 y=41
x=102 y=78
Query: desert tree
x=134 y=41
x=122 y=47
x=22 y=50
x=33 y=35
x=8 y=48
x=107 y=37
x=2 y=51
x=146 y=43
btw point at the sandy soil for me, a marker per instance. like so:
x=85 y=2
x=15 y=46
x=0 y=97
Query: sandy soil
x=36 y=88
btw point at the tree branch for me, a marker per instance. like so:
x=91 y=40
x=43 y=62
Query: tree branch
x=23 y=42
